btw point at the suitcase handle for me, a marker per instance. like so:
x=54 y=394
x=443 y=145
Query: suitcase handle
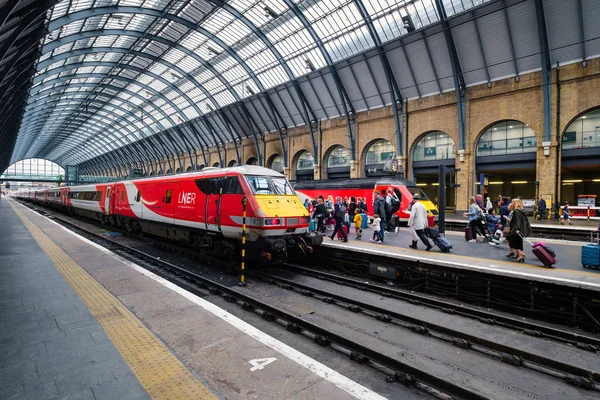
x=597 y=237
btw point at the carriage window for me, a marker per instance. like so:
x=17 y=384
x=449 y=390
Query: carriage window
x=231 y=185
x=107 y=192
x=168 y=196
x=138 y=196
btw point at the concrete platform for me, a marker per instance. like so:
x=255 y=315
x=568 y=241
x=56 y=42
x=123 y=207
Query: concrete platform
x=482 y=257
x=54 y=343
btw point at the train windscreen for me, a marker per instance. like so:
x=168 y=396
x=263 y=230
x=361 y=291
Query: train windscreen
x=415 y=190
x=269 y=185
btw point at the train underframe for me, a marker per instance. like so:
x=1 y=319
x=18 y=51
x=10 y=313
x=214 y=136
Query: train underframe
x=265 y=250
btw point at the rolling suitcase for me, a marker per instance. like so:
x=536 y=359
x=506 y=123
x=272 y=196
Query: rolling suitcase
x=365 y=221
x=590 y=253
x=539 y=250
x=442 y=243
x=468 y=233
x=339 y=234
x=313 y=225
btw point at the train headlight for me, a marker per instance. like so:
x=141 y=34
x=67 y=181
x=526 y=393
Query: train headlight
x=272 y=221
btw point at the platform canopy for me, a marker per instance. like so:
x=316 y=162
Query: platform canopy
x=84 y=82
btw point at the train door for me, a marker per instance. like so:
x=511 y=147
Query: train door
x=167 y=190
x=107 y=200
x=213 y=205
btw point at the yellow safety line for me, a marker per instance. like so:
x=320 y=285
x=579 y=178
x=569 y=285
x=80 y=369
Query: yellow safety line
x=161 y=374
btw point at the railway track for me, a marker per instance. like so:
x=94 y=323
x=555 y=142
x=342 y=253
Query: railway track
x=502 y=352
x=396 y=370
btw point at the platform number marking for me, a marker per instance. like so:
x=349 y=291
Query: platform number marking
x=260 y=363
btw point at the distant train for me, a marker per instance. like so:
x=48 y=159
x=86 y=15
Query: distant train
x=363 y=188
x=203 y=209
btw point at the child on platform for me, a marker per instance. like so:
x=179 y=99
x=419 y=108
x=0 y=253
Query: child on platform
x=376 y=228
x=357 y=222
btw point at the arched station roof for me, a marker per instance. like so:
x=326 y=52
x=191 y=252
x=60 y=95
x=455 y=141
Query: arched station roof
x=81 y=80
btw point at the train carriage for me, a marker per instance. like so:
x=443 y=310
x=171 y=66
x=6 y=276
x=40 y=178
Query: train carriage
x=203 y=209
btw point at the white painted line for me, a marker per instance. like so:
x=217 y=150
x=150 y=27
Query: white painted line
x=330 y=375
x=544 y=278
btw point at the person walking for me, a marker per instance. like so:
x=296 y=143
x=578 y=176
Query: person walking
x=376 y=228
x=418 y=222
x=519 y=228
x=357 y=223
x=379 y=209
x=566 y=214
x=339 y=214
x=474 y=215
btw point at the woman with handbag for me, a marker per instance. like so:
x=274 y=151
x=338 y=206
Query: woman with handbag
x=474 y=215
x=519 y=228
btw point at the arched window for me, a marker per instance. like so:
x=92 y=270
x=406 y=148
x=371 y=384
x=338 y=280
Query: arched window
x=583 y=133
x=338 y=163
x=232 y=163
x=200 y=167
x=178 y=170
x=507 y=137
x=378 y=158
x=32 y=167
x=216 y=165
x=152 y=173
x=190 y=168
x=435 y=145
x=305 y=166
x=379 y=152
x=339 y=157
x=276 y=163
x=252 y=161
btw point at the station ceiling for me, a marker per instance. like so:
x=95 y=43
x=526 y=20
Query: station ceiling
x=83 y=78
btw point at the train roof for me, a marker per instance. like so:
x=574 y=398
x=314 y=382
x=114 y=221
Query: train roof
x=242 y=169
x=357 y=183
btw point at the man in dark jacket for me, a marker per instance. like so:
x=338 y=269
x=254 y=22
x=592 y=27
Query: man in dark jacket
x=339 y=212
x=379 y=209
x=504 y=212
x=542 y=208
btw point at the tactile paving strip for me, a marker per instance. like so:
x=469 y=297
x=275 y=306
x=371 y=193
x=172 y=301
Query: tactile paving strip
x=161 y=374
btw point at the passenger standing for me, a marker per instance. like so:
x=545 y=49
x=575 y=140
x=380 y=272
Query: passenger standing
x=352 y=206
x=519 y=228
x=306 y=203
x=363 y=206
x=566 y=214
x=339 y=213
x=542 y=208
x=504 y=212
x=376 y=228
x=488 y=205
x=357 y=223
x=320 y=214
x=473 y=215
x=379 y=209
x=418 y=222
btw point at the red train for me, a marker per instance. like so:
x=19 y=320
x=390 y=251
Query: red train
x=363 y=188
x=199 y=208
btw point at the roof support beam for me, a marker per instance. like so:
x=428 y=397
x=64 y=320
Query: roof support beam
x=457 y=74
x=349 y=113
x=510 y=40
x=397 y=100
x=581 y=32
x=480 y=43
x=546 y=68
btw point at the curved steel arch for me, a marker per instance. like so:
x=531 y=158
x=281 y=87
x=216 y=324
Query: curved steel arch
x=45 y=94
x=92 y=12
x=94 y=129
x=344 y=99
x=115 y=77
x=137 y=34
x=83 y=14
x=28 y=125
x=141 y=54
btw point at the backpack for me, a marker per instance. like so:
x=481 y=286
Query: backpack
x=341 y=211
x=395 y=204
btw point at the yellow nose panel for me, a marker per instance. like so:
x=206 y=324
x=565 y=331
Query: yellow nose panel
x=281 y=206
